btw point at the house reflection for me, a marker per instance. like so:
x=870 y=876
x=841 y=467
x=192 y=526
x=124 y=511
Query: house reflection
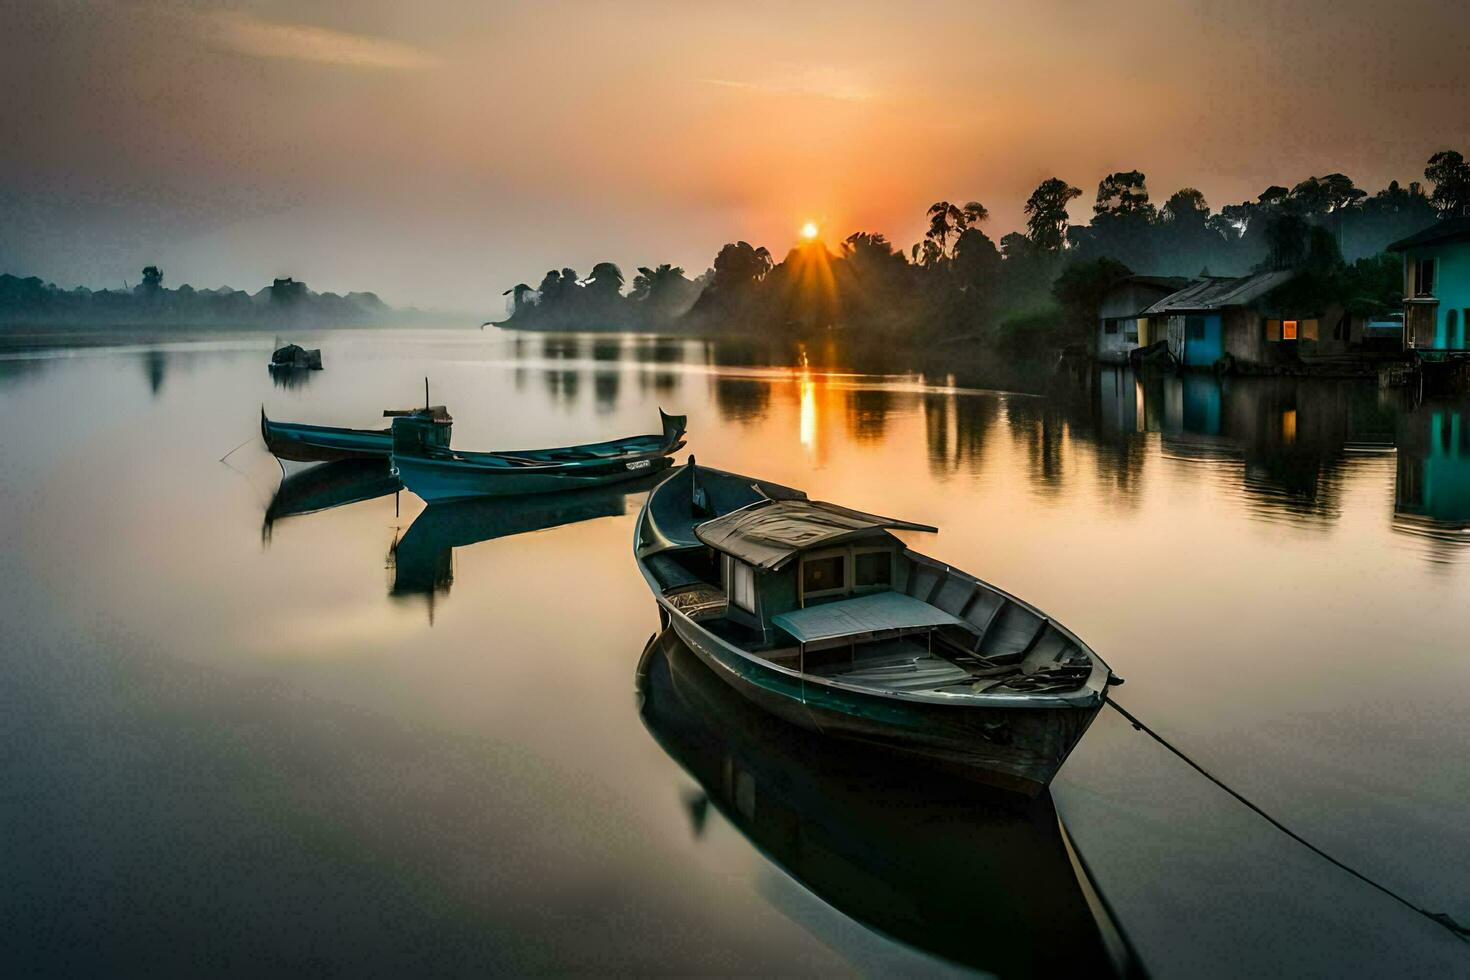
x=1291 y=439
x=908 y=853
x=1432 y=485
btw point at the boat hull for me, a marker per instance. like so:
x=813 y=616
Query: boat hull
x=443 y=480
x=323 y=444
x=1018 y=749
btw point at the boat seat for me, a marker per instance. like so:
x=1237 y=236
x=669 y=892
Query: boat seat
x=1011 y=634
x=954 y=593
x=910 y=672
x=924 y=579
x=670 y=574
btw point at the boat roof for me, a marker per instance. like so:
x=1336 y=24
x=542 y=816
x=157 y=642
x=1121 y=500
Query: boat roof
x=863 y=614
x=769 y=533
x=435 y=413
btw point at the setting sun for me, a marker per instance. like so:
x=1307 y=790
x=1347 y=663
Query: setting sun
x=809 y=230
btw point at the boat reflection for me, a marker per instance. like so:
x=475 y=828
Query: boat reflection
x=422 y=561
x=288 y=376
x=327 y=485
x=939 y=864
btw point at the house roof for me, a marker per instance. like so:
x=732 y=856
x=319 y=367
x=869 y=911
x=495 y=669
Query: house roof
x=1218 y=292
x=769 y=533
x=1162 y=282
x=1443 y=230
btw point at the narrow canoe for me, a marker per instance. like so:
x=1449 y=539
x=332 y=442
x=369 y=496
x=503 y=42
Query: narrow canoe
x=304 y=443
x=438 y=474
x=895 y=649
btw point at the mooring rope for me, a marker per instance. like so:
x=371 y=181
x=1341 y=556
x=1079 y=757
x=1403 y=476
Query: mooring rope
x=1440 y=918
x=235 y=450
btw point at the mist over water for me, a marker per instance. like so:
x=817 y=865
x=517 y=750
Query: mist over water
x=250 y=726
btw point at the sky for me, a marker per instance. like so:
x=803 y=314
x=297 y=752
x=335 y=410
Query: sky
x=440 y=151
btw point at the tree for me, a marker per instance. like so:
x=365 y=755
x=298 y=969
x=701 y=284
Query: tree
x=665 y=288
x=606 y=280
x=518 y=294
x=1046 y=213
x=152 y=279
x=1450 y=174
x=1123 y=194
x=739 y=264
x=1186 y=207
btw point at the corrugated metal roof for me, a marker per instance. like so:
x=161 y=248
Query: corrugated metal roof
x=1218 y=292
x=767 y=534
x=1443 y=230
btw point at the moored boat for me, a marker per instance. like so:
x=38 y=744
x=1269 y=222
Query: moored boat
x=439 y=474
x=822 y=616
x=303 y=443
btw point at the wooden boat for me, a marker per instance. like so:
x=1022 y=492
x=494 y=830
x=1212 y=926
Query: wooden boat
x=820 y=615
x=983 y=879
x=438 y=474
x=303 y=443
x=294 y=356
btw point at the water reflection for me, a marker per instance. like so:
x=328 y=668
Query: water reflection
x=286 y=376
x=155 y=366
x=1432 y=481
x=956 y=428
x=938 y=864
x=328 y=485
x=422 y=560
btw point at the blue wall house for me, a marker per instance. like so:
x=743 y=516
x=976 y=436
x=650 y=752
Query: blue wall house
x=1218 y=315
x=1121 y=326
x=1437 y=286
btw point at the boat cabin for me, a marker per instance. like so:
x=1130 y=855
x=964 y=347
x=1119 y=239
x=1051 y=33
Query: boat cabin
x=780 y=557
x=416 y=430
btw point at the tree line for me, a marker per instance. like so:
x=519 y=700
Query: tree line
x=1031 y=289
x=32 y=300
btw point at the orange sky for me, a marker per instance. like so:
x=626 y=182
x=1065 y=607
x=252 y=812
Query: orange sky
x=439 y=152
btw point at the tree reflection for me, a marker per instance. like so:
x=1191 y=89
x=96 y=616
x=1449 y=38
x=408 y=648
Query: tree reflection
x=605 y=387
x=956 y=429
x=867 y=413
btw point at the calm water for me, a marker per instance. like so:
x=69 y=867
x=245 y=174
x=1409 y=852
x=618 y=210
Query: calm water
x=373 y=740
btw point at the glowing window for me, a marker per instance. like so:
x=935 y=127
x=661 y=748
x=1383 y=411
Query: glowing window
x=1288 y=330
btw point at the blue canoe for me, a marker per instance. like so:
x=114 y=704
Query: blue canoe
x=303 y=443
x=438 y=474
